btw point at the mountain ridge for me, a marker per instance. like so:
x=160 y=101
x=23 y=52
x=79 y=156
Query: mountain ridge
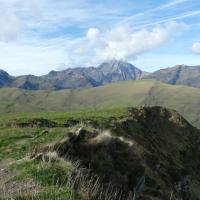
x=178 y=75
x=106 y=73
x=72 y=78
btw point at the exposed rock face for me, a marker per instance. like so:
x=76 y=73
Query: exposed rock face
x=178 y=75
x=119 y=71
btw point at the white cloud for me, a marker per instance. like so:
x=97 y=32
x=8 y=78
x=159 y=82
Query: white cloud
x=9 y=27
x=125 y=43
x=38 y=56
x=92 y=34
x=37 y=36
x=9 y=23
x=196 y=47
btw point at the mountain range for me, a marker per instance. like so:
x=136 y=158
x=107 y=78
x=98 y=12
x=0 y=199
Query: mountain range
x=107 y=72
x=73 y=78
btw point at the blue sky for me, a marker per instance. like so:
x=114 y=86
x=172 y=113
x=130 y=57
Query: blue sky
x=41 y=35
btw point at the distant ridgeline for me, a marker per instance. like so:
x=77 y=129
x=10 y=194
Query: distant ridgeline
x=108 y=72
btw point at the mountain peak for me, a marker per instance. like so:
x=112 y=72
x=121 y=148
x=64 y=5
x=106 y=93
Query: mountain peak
x=120 y=70
x=117 y=61
x=5 y=78
x=114 y=63
x=52 y=73
x=2 y=72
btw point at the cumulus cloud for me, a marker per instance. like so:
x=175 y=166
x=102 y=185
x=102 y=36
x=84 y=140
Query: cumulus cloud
x=47 y=34
x=125 y=43
x=196 y=47
x=92 y=34
x=17 y=17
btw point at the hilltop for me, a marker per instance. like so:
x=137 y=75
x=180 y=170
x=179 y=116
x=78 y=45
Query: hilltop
x=106 y=152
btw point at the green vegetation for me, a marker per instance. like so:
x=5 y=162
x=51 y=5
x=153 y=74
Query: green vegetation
x=62 y=117
x=24 y=133
x=41 y=156
x=183 y=99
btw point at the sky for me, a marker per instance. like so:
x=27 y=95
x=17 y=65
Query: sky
x=37 y=36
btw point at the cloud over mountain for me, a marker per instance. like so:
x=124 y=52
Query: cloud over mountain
x=123 y=42
x=43 y=35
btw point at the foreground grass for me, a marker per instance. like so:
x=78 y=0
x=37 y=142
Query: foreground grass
x=148 y=135
x=16 y=141
x=48 y=179
x=61 y=117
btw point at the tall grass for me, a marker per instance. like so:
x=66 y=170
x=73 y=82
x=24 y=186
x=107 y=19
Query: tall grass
x=77 y=183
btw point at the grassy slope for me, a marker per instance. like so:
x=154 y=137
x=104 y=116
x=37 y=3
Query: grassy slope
x=184 y=99
x=113 y=95
x=157 y=135
x=16 y=142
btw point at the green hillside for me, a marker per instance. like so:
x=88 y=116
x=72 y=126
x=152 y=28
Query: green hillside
x=185 y=100
x=99 y=155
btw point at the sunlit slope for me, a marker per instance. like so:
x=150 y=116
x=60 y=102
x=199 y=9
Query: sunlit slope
x=113 y=95
x=185 y=100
